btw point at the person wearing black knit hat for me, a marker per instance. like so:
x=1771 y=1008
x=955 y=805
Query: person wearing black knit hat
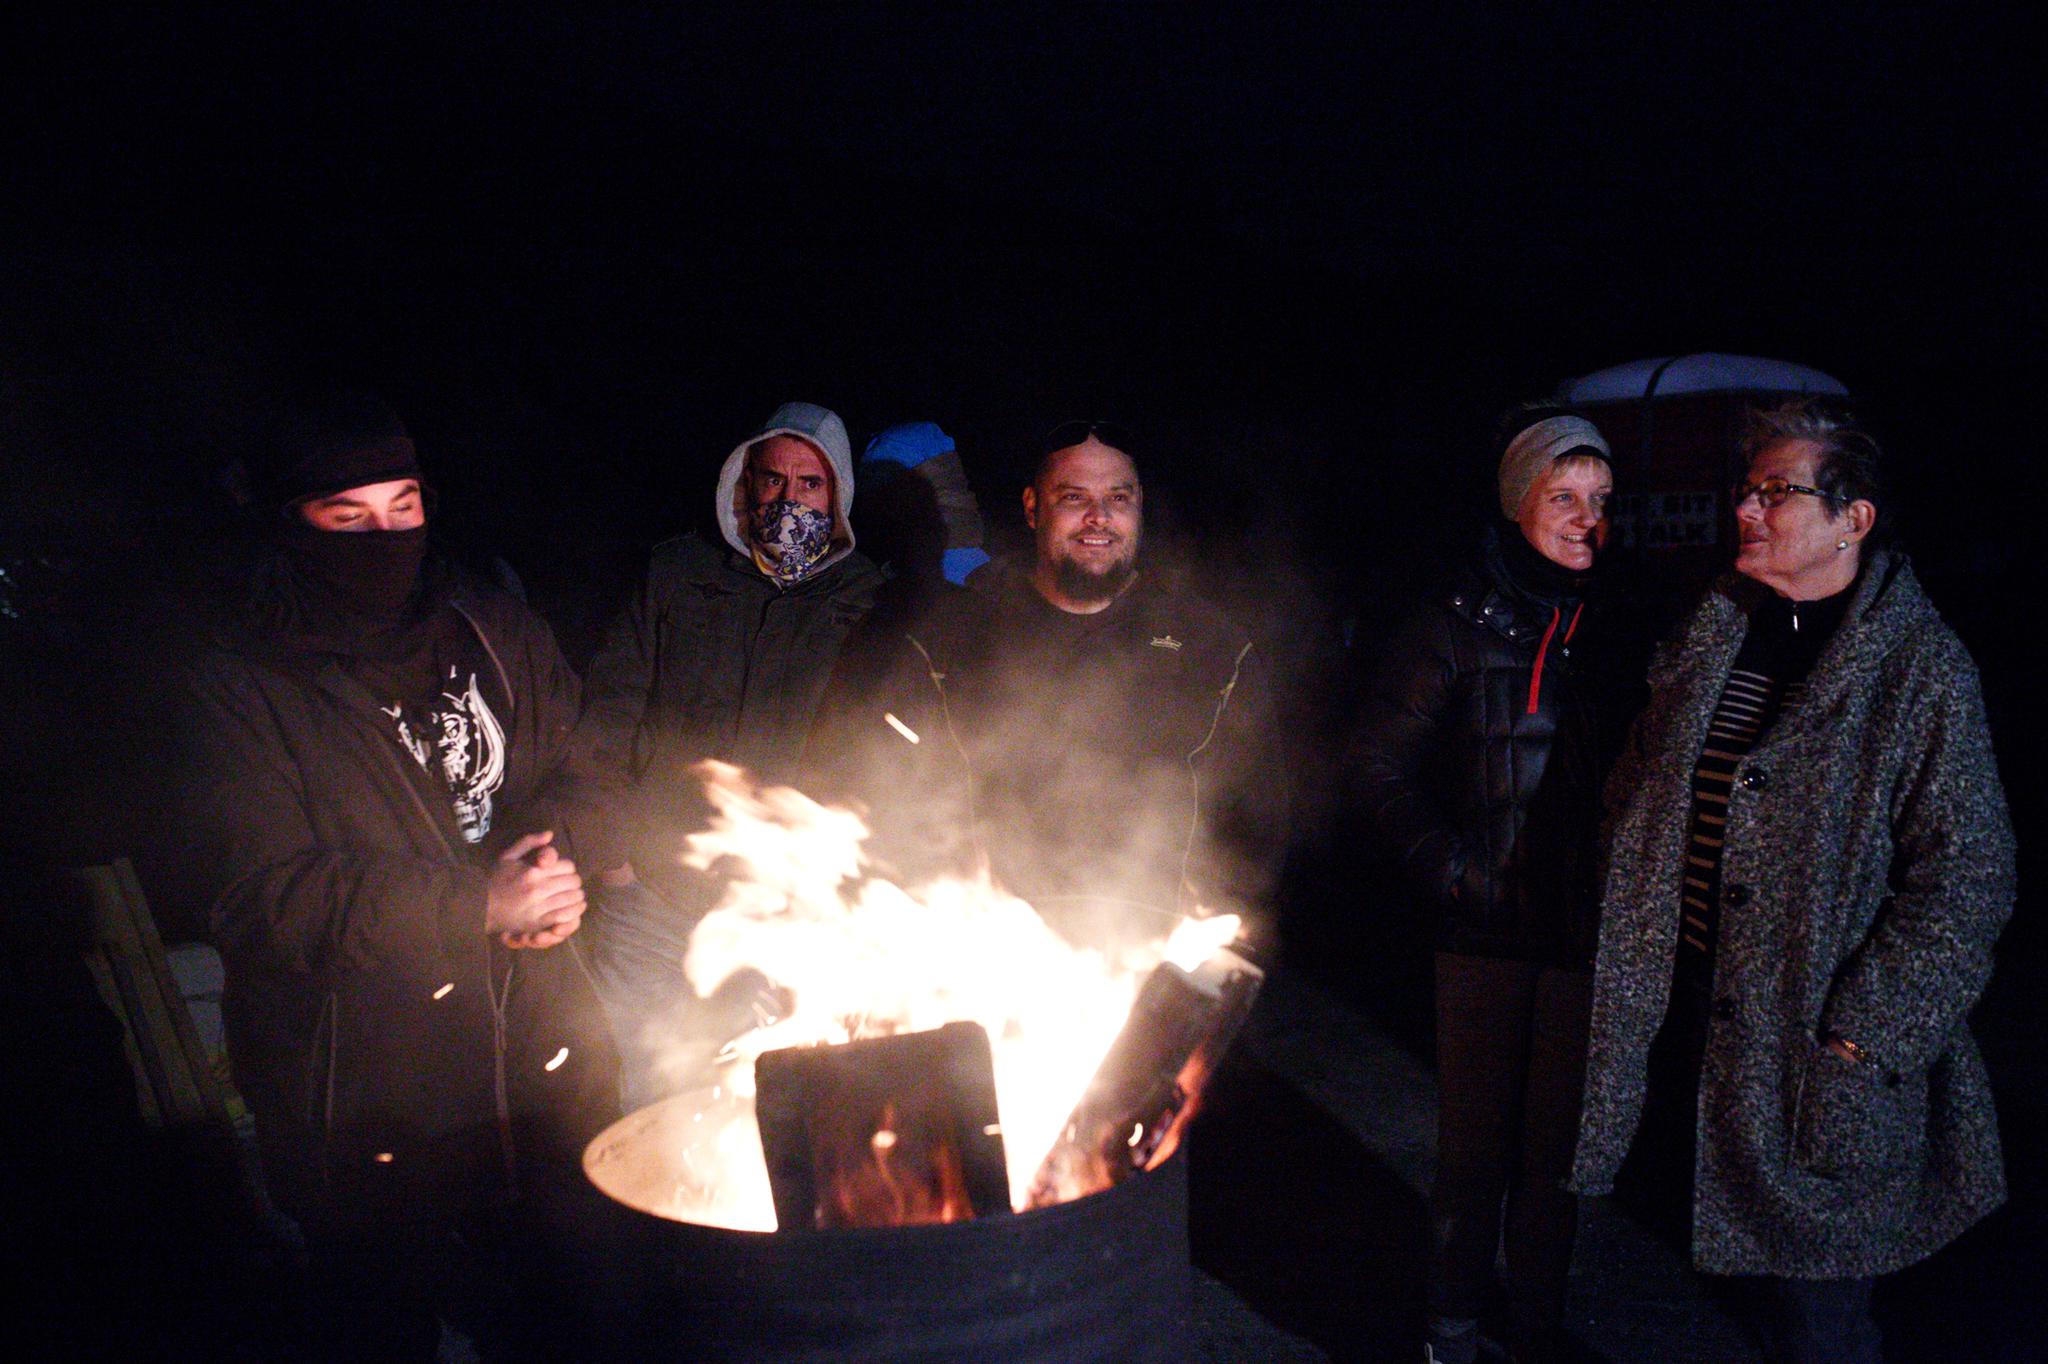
x=1477 y=762
x=380 y=826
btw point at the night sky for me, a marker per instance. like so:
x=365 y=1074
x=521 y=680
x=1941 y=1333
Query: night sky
x=1308 y=254
x=585 y=247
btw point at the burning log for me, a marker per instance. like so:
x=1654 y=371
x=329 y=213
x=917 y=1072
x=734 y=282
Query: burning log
x=886 y=1131
x=1142 y=1096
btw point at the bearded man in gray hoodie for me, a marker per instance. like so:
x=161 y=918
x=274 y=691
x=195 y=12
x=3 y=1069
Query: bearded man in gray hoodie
x=723 y=652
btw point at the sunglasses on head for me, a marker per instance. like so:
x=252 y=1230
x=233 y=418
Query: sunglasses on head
x=1075 y=433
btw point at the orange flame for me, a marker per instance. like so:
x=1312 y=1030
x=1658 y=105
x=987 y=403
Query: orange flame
x=863 y=957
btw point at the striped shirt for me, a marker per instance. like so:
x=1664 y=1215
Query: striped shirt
x=1750 y=702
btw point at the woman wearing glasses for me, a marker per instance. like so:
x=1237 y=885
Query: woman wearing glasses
x=1810 y=859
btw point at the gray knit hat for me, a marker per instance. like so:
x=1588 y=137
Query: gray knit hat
x=1531 y=453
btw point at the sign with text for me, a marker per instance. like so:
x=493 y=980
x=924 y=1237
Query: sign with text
x=1666 y=520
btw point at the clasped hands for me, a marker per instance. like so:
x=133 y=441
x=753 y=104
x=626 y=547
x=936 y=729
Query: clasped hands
x=535 y=897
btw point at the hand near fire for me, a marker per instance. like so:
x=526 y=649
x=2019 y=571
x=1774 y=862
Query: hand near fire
x=536 y=897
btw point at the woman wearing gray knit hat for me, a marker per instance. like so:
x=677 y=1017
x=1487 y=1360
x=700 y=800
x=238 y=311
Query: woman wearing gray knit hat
x=1478 y=763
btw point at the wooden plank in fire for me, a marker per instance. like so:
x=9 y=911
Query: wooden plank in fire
x=1132 y=1114
x=884 y=1131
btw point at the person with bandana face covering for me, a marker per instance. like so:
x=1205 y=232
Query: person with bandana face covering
x=380 y=821
x=722 y=652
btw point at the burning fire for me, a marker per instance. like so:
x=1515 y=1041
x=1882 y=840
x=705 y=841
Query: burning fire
x=857 y=956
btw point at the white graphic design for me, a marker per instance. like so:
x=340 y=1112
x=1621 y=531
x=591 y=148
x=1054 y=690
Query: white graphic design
x=461 y=741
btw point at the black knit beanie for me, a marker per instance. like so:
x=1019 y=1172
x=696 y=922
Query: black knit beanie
x=334 y=441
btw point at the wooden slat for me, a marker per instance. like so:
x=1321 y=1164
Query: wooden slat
x=175 y=1081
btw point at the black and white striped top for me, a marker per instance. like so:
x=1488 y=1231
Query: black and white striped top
x=1751 y=701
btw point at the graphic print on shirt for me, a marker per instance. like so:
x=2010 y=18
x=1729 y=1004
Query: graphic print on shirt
x=459 y=740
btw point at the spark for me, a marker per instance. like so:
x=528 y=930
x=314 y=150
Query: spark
x=442 y=993
x=556 y=1062
x=905 y=730
x=1137 y=1134
x=384 y=1157
x=884 y=1139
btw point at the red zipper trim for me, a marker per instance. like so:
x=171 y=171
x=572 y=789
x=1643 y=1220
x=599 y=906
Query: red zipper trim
x=1536 y=675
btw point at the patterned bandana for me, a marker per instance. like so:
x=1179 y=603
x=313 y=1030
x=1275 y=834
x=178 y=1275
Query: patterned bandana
x=790 y=538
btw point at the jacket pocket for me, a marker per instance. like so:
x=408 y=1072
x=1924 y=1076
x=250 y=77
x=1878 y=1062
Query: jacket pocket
x=1849 y=1118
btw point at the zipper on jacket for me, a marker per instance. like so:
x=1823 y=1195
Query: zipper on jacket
x=1536 y=675
x=498 y=1002
x=1187 y=849
x=946 y=713
x=499 y=1090
x=504 y=678
x=330 y=1018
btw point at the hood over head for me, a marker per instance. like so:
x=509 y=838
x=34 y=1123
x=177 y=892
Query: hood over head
x=820 y=427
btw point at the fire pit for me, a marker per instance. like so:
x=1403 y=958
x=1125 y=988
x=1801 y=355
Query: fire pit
x=1100 y=1278
x=942 y=1178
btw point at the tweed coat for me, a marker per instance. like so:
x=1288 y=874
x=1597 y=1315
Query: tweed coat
x=1868 y=869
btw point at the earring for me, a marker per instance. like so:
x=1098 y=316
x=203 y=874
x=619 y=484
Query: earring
x=1841 y=545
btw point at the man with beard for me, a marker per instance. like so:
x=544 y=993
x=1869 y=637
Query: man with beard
x=375 y=759
x=1092 y=730
x=723 y=652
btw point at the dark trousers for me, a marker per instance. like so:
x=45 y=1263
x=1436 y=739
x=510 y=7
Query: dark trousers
x=382 y=1292
x=637 y=942
x=1810 y=1321
x=1796 y=1321
x=1511 y=1060
x=528 y=1279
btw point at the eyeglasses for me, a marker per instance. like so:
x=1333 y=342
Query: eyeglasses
x=1772 y=492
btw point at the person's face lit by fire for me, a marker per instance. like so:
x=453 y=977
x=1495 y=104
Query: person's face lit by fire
x=1087 y=512
x=787 y=468
x=1564 y=513
x=396 y=505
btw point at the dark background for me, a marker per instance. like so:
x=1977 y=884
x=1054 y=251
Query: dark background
x=1308 y=252
x=584 y=248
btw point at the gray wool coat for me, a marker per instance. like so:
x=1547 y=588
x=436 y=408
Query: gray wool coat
x=1869 y=838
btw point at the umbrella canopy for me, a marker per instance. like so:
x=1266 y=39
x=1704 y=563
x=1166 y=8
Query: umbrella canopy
x=1702 y=372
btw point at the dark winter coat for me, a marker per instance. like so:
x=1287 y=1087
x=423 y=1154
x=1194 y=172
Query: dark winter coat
x=393 y=1054
x=711 y=659
x=1867 y=871
x=1126 y=753
x=1490 y=806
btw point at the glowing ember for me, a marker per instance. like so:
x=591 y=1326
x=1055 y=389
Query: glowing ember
x=862 y=957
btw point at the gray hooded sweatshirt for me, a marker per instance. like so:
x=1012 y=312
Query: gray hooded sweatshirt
x=712 y=659
x=816 y=426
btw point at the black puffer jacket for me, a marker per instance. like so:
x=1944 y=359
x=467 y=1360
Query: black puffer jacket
x=1482 y=775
